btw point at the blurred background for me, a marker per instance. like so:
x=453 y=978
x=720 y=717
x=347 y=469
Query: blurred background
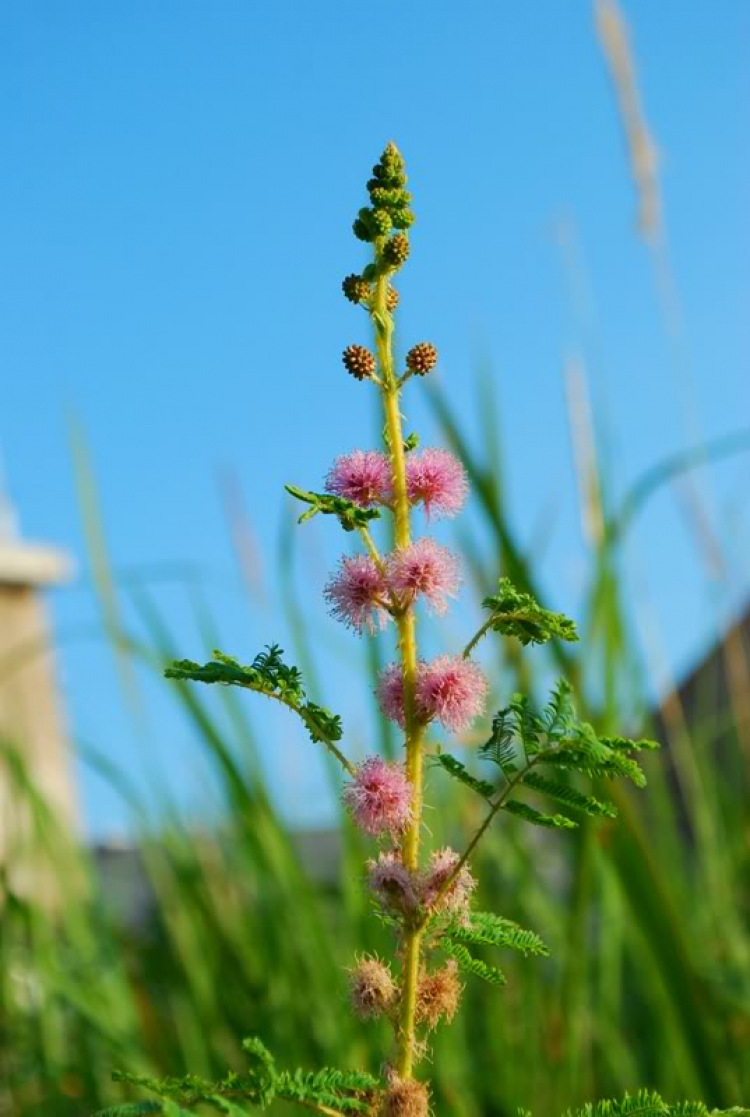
x=175 y=215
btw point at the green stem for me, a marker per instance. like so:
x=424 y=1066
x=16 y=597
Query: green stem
x=414 y=728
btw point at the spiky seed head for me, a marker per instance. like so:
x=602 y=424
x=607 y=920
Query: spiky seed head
x=359 y=361
x=356 y=289
x=381 y=222
x=391 y=299
x=396 y=250
x=422 y=358
x=406 y=1098
x=371 y=988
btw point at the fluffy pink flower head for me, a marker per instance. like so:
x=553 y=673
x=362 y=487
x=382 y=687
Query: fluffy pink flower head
x=458 y=897
x=436 y=479
x=425 y=568
x=390 y=694
x=356 y=594
x=364 y=476
x=379 y=797
x=392 y=883
x=451 y=690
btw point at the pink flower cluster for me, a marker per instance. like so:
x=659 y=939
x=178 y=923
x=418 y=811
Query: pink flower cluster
x=361 y=592
x=402 y=891
x=450 y=689
x=379 y=797
x=434 y=478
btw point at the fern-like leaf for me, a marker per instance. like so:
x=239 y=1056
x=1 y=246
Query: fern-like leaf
x=518 y=614
x=486 y=929
x=268 y=675
x=470 y=964
x=350 y=515
x=563 y=793
x=459 y=772
x=131 y=1109
x=529 y=814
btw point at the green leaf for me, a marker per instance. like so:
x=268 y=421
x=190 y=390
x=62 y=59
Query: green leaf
x=515 y=722
x=624 y=744
x=643 y=1104
x=595 y=763
x=588 y=804
x=470 y=964
x=269 y=675
x=518 y=614
x=459 y=772
x=556 y=736
x=411 y=442
x=226 y=1106
x=346 y=1091
x=486 y=929
x=350 y=515
x=553 y=821
x=131 y=1109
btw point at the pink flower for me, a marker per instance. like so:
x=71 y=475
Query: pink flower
x=392 y=883
x=356 y=594
x=425 y=568
x=451 y=690
x=390 y=693
x=436 y=479
x=379 y=797
x=364 y=476
x=458 y=897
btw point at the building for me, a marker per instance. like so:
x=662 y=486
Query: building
x=31 y=719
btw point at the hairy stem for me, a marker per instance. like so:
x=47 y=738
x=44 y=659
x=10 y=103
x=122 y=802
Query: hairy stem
x=414 y=728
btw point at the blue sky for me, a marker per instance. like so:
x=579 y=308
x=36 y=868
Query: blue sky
x=175 y=210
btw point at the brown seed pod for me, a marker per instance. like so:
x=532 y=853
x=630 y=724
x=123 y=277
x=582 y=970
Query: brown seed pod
x=422 y=358
x=396 y=250
x=391 y=299
x=356 y=289
x=358 y=361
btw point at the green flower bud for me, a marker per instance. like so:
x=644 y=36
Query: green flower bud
x=381 y=222
x=361 y=228
x=402 y=218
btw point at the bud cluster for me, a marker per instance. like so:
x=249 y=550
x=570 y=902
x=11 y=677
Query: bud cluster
x=389 y=199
